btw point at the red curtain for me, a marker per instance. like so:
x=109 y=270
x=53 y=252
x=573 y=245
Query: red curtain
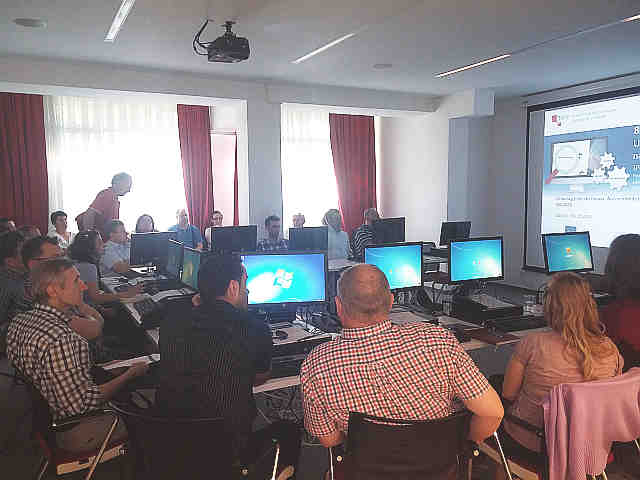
x=24 y=190
x=353 y=146
x=195 y=148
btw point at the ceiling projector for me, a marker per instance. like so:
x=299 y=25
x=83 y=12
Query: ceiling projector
x=227 y=48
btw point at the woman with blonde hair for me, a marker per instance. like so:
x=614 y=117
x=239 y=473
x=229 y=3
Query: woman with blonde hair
x=575 y=350
x=338 y=240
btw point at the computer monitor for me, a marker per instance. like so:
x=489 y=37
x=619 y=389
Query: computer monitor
x=174 y=258
x=567 y=252
x=234 y=239
x=308 y=238
x=286 y=278
x=454 y=231
x=191 y=267
x=388 y=230
x=476 y=259
x=401 y=263
x=150 y=248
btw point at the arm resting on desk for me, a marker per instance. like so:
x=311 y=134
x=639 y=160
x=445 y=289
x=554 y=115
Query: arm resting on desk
x=109 y=389
x=487 y=414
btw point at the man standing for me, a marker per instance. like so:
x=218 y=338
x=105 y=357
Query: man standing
x=363 y=235
x=189 y=235
x=410 y=372
x=56 y=360
x=273 y=242
x=106 y=206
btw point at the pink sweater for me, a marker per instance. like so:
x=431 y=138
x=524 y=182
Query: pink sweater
x=582 y=420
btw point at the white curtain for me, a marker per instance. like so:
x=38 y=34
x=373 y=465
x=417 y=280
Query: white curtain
x=91 y=139
x=308 y=178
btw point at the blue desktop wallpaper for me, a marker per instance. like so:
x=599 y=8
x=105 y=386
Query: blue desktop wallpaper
x=476 y=260
x=401 y=264
x=190 y=268
x=173 y=259
x=568 y=252
x=293 y=278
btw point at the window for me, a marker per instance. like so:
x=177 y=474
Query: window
x=91 y=139
x=308 y=178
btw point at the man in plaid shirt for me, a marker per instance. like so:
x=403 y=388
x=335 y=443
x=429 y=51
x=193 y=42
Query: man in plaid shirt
x=411 y=372
x=43 y=347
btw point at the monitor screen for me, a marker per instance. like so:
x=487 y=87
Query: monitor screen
x=191 y=267
x=476 y=259
x=234 y=239
x=567 y=252
x=282 y=278
x=174 y=258
x=308 y=238
x=402 y=264
x=454 y=231
x=388 y=230
x=150 y=248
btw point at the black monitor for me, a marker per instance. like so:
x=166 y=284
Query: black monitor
x=567 y=252
x=308 y=238
x=150 y=248
x=388 y=230
x=174 y=259
x=191 y=267
x=454 y=231
x=480 y=259
x=234 y=239
x=400 y=262
x=286 y=278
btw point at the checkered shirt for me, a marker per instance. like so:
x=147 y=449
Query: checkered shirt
x=266 y=245
x=42 y=345
x=410 y=372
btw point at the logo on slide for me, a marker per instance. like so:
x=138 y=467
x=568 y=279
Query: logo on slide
x=283 y=279
x=556 y=119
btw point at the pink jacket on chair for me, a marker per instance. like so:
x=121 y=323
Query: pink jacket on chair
x=582 y=420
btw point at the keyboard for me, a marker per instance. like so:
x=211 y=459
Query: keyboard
x=145 y=307
x=489 y=301
x=286 y=368
x=514 y=324
x=157 y=286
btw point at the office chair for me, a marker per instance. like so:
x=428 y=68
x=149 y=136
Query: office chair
x=381 y=448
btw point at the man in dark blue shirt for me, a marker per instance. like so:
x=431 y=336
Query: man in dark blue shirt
x=189 y=235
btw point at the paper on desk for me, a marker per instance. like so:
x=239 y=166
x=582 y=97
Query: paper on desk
x=155 y=357
x=168 y=293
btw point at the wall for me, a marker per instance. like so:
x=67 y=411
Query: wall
x=413 y=172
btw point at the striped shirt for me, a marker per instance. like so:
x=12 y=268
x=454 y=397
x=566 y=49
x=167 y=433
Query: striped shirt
x=42 y=346
x=410 y=372
x=360 y=238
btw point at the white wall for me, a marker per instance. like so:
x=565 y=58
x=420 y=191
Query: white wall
x=413 y=172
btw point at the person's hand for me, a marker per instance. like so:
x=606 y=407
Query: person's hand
x=132 y=291
x=196 y=300
x=137 y=369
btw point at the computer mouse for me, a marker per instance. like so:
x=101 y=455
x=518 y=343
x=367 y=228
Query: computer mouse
x=280 y=334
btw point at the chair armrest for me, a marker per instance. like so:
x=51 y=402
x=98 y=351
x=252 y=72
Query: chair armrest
x=69 y=421
x=524 y=424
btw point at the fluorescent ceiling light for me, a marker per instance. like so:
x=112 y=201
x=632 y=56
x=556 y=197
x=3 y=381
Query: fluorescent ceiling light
x=323 y=48
x=631 y=19
x=118 y=20
x=474 y=65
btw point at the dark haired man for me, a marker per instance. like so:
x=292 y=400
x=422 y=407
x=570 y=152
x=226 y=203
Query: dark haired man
x=117 y=250
x=7 y=225
x=273 y=242
x=212 y=358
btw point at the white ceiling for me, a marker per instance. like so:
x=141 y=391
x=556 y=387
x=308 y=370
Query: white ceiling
x=420 y=39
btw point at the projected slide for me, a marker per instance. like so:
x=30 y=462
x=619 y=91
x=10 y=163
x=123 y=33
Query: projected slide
x=591 y=175
x=476 y=260
x=293 y=278
x=401 y=264
x=568 y=252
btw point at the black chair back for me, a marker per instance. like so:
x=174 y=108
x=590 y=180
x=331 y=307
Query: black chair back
x=169 y=448
x=380 y=448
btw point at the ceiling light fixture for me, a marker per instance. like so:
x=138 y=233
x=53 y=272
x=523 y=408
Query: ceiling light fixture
x=30 y=22
x=119 y=19
x=473 y=65
x=631 y=19
x=324 y=47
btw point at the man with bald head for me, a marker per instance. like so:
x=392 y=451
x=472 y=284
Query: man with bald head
x=415 y=371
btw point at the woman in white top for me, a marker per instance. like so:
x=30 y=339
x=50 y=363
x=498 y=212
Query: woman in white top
x=59 y=230
x=338 y=238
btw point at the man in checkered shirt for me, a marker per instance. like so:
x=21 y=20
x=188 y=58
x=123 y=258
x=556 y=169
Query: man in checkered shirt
x=43 y=347
x=411 y=372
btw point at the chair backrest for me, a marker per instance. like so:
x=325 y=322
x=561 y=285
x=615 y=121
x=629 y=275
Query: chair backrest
x=381 y=448
x=175 y=448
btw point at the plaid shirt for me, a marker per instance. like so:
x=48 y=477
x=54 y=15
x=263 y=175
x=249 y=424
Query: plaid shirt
x=42 y=346
x=266 y=245
x=12 y=294
x=410 y=372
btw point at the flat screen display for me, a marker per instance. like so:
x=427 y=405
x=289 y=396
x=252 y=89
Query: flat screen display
x=402 y=264
x=567 y=252
x=476 y=259
x=191 y=267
